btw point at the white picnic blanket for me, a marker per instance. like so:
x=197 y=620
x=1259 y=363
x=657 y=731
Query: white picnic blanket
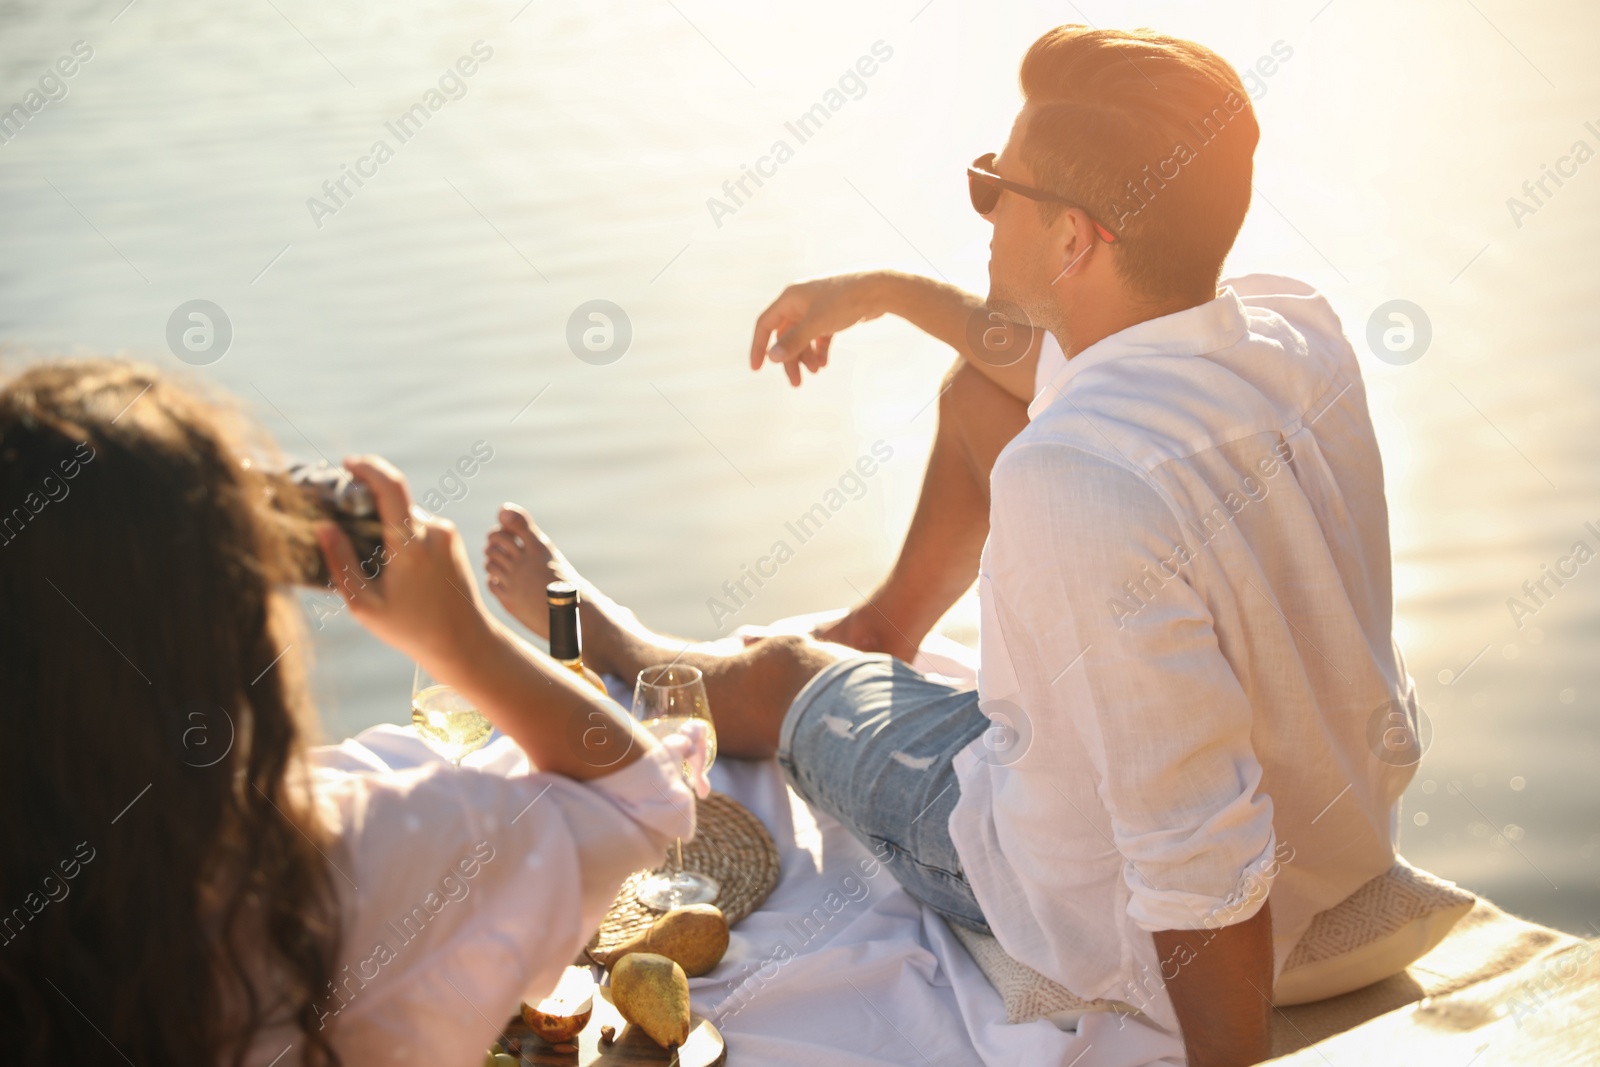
x=837 y=967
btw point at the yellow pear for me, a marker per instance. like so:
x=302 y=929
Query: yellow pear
x=695 y=935
x=652 y=992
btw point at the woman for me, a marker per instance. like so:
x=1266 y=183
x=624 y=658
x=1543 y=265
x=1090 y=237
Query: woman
x=177 y=882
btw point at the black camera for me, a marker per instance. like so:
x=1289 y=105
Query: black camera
x=316 y=491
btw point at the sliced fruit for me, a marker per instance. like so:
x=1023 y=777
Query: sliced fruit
x=564 y=1013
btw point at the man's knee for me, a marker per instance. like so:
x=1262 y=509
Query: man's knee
x=966 y=394
x=955 y=389
x=773 y=671
x=783 y=663
x=979 y=415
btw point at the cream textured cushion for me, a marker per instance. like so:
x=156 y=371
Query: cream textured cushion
x=1028 y=995
x=1379 y=930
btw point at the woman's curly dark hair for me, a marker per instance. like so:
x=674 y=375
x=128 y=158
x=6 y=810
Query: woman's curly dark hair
x=164 y=885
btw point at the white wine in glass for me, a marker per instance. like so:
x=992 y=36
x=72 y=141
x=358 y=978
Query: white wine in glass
x=664 y=698
x=445 y=720
x=666 y=725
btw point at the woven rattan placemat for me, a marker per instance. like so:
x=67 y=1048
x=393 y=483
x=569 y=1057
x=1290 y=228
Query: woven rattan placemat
x=730 y=844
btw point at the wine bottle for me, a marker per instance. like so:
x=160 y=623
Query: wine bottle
x=565 y=637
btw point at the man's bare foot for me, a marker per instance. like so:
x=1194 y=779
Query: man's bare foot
x=521 y=561
x=866 y=627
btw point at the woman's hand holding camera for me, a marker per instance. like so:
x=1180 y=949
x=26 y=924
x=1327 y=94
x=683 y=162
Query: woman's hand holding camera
x=425 y=602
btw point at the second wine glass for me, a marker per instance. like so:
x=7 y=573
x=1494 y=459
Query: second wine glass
x=664 y=698
x=445 y=720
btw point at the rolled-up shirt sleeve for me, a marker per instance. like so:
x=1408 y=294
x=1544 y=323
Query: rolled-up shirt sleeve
x=1115 y=653
x=659 y=809
x=468 y=891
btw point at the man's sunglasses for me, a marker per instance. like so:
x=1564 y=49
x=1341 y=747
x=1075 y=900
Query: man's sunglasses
x=984 y=186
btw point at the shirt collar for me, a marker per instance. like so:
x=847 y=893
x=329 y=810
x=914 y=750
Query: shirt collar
x=1216 y=324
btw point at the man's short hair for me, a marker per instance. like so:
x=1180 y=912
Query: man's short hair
x=1154 y=136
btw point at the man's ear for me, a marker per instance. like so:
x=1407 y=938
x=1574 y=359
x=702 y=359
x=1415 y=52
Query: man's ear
x=1077 y=239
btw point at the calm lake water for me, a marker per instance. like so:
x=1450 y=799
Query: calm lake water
x=423 y=310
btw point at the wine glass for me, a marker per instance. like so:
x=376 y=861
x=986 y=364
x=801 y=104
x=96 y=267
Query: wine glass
x=445 y=720
x=665 y=698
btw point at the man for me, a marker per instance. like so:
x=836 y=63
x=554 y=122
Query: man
x=1172 y=500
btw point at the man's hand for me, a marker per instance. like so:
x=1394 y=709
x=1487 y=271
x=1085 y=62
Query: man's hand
x=1221 y=985
x=807 y=314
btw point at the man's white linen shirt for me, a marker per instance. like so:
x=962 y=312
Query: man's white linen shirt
x=1185 y=634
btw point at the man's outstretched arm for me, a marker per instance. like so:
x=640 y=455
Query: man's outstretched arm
x=807 y=314
x=976 y=419
x=1221 y=989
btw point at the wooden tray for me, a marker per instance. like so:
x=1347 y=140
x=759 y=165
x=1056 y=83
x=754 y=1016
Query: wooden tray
x=632 y=1047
